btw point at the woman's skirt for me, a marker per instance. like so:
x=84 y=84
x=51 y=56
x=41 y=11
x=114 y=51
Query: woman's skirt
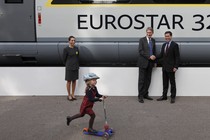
x=71 y=75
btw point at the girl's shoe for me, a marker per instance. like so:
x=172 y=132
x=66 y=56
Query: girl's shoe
x=68 y=120
x=91 y=130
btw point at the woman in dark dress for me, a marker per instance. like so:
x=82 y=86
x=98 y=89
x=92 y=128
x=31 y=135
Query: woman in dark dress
x=71 y=61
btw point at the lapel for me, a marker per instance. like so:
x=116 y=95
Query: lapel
x=153 y=42
x=164 y=49
x=145 y=40
x=169 y=49
x=146 y=45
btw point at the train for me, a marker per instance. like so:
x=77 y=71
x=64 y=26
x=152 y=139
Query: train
x=35 y=32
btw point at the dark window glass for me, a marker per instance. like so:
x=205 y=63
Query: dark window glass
x=179 y=1
x=130 y=1
x=104 y=1
x=13 y=1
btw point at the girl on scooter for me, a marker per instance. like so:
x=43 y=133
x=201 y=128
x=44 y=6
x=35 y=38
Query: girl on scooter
x=91 y=96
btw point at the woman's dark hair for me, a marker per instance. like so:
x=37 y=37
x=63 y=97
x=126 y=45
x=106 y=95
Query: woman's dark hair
x=70 y=37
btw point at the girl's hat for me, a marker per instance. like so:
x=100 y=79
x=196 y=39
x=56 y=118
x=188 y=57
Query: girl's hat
x=90 y=76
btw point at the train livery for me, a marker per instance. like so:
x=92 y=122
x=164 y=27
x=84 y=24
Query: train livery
x=34 y=32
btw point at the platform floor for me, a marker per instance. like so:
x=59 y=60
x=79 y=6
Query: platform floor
x=44 y=118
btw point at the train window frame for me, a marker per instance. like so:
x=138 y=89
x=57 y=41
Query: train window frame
x=13 y=1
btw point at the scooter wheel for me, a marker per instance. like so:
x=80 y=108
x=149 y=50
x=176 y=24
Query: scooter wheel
x=105 y=136
x=112 y=130
x=85 y=130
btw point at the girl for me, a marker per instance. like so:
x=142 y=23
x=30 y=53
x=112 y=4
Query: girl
x=91 y=96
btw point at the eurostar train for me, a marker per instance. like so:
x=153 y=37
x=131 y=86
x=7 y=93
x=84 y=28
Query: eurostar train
x=34 y=32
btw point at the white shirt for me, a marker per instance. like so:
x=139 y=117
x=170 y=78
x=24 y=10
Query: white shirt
x=148 y=39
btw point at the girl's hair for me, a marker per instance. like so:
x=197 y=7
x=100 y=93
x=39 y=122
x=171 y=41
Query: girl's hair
x=87 y=83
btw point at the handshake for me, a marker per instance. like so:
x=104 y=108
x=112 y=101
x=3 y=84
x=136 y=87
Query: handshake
x=152 y=57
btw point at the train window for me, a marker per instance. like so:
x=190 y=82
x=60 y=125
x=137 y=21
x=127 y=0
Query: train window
x=180 y=1
x=13 y=1
x=129 y=1
x=104 y=1
x=89 y=1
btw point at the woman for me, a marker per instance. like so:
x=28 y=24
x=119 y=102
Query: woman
x=71 y=61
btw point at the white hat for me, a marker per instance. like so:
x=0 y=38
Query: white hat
x=90 y=76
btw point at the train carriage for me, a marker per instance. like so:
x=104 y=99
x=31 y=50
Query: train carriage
x=34 y=32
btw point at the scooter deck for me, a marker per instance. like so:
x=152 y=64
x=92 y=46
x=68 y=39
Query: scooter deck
x=98 y=133
x=103 y=134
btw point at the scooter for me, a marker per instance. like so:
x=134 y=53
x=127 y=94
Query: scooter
x=105 y=135
x=107 y=131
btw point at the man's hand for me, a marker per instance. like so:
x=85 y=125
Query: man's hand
x=175 y=69
x=152 y=57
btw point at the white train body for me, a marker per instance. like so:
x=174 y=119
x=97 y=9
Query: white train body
x=121 y=20
x=34 y=32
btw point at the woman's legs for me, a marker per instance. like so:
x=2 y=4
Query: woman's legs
x=73 y=88
x=68 y=87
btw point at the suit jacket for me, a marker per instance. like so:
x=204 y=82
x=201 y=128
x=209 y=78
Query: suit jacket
x=71 y=58
x=172 y=58
x=144 y=56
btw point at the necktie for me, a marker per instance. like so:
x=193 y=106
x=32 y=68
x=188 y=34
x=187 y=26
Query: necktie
x=150 y=47
x=167 y=46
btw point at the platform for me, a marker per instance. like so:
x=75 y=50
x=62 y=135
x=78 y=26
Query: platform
x=44 y=118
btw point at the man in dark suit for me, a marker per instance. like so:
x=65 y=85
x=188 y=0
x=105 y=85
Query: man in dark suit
x=170 y=62
x=147 y=51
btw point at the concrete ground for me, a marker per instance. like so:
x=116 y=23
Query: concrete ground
x=44 y=118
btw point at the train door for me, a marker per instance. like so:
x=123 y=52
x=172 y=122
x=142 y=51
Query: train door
x=17 y=21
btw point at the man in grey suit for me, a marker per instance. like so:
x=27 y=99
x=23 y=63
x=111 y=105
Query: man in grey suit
x=146 y=61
